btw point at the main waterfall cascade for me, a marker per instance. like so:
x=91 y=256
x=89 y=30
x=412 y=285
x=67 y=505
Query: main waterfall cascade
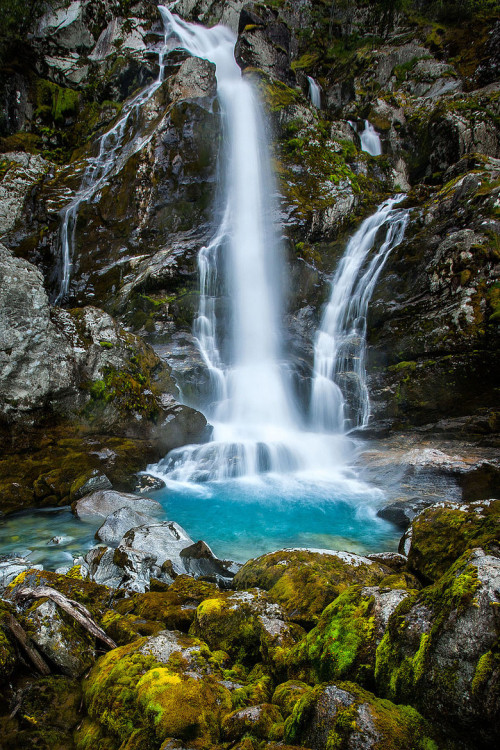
x=258 y=429
x=114 y=150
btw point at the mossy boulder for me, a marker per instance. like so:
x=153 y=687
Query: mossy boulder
x=263 y=722
x=342 y=646
x=163 y=687
x=287 y=694
x=175 y=608
x=304 y=582
x=247 y=624
x=348 y=717
x=440 y=534
x=440 y=650
x=94 y=597
x=7 y=650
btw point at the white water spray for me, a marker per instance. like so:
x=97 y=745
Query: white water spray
x=314 y=92
x=370 y=140
x=339 y=352
x=114 y=149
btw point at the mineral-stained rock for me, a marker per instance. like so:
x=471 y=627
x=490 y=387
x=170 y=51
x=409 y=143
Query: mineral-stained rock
x=305 y=581
x=440 y=649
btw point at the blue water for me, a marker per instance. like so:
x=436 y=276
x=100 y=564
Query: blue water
x=244 y=518
x=239 y=519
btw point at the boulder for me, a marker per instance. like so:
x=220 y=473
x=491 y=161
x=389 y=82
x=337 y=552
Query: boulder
x=441 y=533
x=248 y=625
x=264 y=722
x=103 y=503
x=86 y=484
x=171 y=692
x=118 y=523
x=440 y=649
x=61 y=640
x=304 y=581
x=164 y=540
x=342 y=646
x=344 y=715
x=125 y=568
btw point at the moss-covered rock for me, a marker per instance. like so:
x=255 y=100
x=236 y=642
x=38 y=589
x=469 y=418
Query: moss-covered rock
x=440 y=649
x=7 y=650
x=162 y=687
x=263 y=722
x=347 y=717
x=287 y=694
x=248 y=625
x=175 y=608
x=304 y=582
x=343 y=643
x=440 y=534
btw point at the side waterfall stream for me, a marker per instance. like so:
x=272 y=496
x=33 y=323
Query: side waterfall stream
x=276 y=473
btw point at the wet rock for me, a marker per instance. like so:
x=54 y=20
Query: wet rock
x=354 y=719
x=101 y=504
x=441 y=533
x=118 y=523
x=343 y=644
x=88 y=483
x=402 y=512
x=305 y=581
x=245 y=624
x=393 y=560
x=195 y=79
x=440 y=649
x=148 y=483
x=264 y=42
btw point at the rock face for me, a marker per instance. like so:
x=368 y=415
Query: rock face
x=87 y=377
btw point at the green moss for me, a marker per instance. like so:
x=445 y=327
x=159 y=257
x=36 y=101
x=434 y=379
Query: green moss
x=440 y=535
x=304 y=582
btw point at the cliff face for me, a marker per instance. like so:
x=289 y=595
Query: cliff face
x=426 y=78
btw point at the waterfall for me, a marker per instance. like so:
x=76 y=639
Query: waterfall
x=370 y=140
x=113 y=150
x=314 y=92
x=339 y=352
x=257 y=426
